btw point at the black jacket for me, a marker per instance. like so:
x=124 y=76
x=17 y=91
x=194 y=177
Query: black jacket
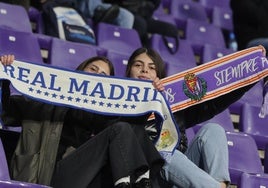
x=249 y=20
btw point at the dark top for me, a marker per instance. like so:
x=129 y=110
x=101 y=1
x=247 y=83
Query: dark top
x=249 y=20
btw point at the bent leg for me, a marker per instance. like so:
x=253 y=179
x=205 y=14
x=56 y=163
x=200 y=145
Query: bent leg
x=126 y=155
x=183 y=173
x=209 y=151
x=79 y=168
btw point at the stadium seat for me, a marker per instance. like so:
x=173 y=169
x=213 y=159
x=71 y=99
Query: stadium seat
x=252 y=124
x=223 y=119
x=184 y=9
x=23 y=45
x=5 y=181
x=253 y=97
x=175 y=68
x=184 y=54
x=117 y=39
x=210 y=4
x=211 y=52
x=199 y=33
x=69 y=55
x=253 y=181
x=119 y=61
x=222 y=17
x=243 y=155
x=14 y=17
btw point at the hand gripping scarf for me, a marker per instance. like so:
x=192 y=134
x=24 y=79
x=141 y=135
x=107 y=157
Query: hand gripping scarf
x=128 y=97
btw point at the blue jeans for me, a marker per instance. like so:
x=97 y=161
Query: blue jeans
x=205 y=163
x=124 y=19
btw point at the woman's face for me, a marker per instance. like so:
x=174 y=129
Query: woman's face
x=98 y=67
x=143 y=68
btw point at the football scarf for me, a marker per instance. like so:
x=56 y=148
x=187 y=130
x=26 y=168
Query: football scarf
x=95 y=93
x=215 y=78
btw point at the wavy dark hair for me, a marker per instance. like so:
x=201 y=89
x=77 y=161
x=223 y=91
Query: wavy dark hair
x=154 y=56
x=85 y=63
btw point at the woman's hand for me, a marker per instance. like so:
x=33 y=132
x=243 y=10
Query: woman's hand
x=7 y=59
x=158 y=84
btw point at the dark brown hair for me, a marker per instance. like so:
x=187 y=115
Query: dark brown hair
x=85 y=63
x=154 y=56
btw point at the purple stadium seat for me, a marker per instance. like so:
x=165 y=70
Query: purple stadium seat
x=211 y=52
x=184 y=9
x=5 y=181
x=243 y=156
x=223 y=119
x=69 y=55
x=199 y=33
x=253 y=97
x=210 y=4
x=252 y=124
x=23 y=45
x=14 y=17
x=184 y=55
x=175 y=68
x=222 y=17
x=253 y=181
x=119 y=61
x=117 y=39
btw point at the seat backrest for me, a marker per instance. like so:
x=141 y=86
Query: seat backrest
x=119 y=61
x=14 y=17
x=243 y=155
x=222 y=17
x=69 y=55
x=211 y=52
x=200 y=32
x=213 y=3
x=223 y=119
x=118 y=39
x=4 y=172
x=210 y=4
x=23 y=45
x=184 y=9
x=253 y=180
x=184 y=55
x=252 y=96
x=251 y=123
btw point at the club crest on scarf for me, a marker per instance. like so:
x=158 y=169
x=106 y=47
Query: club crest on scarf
x=194 y=87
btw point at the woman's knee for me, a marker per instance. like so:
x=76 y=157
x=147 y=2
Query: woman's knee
x=212 y=130
x=122 y=126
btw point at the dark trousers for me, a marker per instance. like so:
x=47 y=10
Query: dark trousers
x=116 y=145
